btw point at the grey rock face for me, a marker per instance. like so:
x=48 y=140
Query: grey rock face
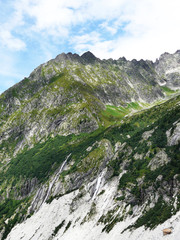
x=173 y=135
x=28 y=187
x=89 y=57
x=160 y=159
x=168 y=69
x=147 y=134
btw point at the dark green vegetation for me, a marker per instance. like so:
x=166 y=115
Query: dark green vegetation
x=160 y=119
x=37 y=161
x=58 y=228
x=156 y=215
x=8 y=207
x=44 y=158
x=14 y=211
x=110 y=219
x=167 y=90
x=67 y=226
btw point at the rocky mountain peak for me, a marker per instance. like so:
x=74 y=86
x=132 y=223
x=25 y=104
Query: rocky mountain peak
x=68 y=56
x=86 y=57
x=167 y=67
x=89 y=57
x=177 y=52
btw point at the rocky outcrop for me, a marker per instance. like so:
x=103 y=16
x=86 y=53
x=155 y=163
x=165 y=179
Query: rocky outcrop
x=168 y=69
x=173 y=135
x=159 y=159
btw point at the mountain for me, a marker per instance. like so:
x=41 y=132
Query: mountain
x=89 y=149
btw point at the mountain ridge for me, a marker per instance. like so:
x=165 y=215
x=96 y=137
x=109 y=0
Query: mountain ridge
x=78 y=125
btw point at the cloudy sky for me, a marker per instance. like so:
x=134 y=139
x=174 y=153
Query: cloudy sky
x=34 y=31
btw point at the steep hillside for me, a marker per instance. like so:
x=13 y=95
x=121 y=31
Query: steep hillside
x=90 y=147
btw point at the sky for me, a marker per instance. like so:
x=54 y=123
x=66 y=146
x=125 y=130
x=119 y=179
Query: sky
x=35 y=31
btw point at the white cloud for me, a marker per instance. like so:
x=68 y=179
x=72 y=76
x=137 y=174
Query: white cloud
x=111 y=29
x=94 y=43
x=152 y=28
x=149 y=27
x=8 y=23
x=11 y=42
x=89 y=37
x=58 y=17
x=50 y=16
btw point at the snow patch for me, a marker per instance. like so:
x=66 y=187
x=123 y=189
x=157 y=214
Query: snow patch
x=43 y=223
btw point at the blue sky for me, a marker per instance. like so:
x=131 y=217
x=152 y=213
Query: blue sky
x=35 y=31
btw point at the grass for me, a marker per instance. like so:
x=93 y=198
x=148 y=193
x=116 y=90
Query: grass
x=167 y=90
x=113 y=114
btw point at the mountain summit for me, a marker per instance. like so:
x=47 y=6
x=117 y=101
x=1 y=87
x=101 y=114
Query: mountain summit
x=89 y=57
x=89 y=149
